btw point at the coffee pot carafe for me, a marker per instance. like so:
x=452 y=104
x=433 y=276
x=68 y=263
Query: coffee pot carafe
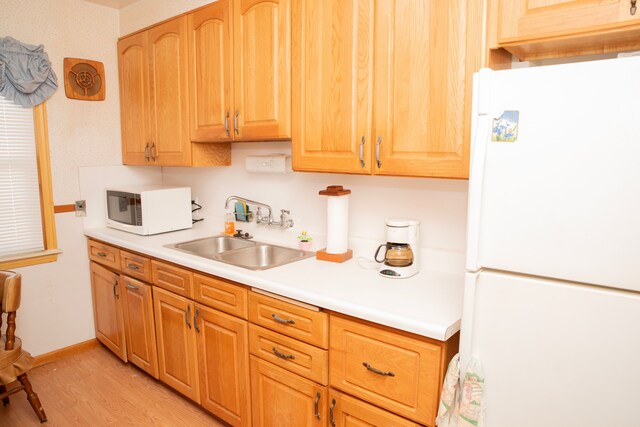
x=401 y=250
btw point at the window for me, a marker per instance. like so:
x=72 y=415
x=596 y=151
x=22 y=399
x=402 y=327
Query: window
x=27 y=228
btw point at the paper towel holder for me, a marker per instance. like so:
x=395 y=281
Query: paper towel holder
x=322 y=254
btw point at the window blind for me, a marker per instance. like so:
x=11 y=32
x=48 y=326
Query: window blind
x=20 y=214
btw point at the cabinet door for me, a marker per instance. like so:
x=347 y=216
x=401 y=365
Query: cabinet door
x=262 y=68
x=134 y=99
x=422 y=97
x=168 y=75
x=537 y=19
x=223 y=361
x=139 y=325
x=332 y=85
x=210 y=72
x=177 y=361
x=280 y=398
x=346 y=411
x=107 y=309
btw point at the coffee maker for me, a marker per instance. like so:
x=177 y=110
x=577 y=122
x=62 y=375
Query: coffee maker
x=401 y=253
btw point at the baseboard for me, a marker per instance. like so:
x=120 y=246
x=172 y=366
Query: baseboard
x=64 y=352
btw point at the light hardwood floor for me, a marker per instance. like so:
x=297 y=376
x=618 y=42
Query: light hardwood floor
x=94 y=388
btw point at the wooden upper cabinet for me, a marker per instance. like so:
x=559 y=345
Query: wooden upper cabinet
x=210 y=72
x=262 y=69
x=332 y=85
x=406 y=110
x=134 y=99
x=423 y=86
x=168 y=71
x=154 y=100
x=536 y=19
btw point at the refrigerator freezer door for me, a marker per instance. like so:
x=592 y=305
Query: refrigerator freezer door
x=563 y=199
x=554 y=354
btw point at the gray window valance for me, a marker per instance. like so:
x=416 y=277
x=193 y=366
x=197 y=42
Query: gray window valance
x=26 y=76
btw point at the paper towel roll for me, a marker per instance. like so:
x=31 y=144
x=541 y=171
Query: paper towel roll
x=337 y=224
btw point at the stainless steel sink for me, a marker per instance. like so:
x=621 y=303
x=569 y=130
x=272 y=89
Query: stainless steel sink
x=209 y=247
x=241 y=253
x=262 y=256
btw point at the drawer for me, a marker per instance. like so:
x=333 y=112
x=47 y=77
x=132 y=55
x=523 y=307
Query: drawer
x=298 y=357
x=345 y=410
x=394 y=370
x=136 y=266
x=289 y=319
x=172 y=278
x=104 y=254
x=221 y=294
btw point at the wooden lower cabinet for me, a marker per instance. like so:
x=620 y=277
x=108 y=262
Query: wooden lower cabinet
x=177 y=361
x=347 y=411
x=139 y=325
x=107 y=309
x=223 y=363
x=281 y=398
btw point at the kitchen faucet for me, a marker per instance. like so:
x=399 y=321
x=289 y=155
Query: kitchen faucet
x=284 y=222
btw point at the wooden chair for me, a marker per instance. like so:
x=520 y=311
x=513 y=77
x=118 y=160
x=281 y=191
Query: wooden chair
x=14 y=362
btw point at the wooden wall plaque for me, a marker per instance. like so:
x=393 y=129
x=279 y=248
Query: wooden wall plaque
x=84 y=79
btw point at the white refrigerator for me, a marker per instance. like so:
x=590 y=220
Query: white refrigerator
x=552 y=286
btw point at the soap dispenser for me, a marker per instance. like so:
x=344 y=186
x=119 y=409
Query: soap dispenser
x=229 y=223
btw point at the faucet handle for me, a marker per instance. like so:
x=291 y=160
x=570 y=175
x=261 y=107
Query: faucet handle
x=285 y=212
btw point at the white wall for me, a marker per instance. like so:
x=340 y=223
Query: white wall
x=56 y=301
x=439 y=204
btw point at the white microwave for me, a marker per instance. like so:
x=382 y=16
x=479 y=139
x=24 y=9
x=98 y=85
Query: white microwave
x=149 y=209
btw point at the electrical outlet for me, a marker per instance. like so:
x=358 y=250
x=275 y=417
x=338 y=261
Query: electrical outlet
x=81 y=208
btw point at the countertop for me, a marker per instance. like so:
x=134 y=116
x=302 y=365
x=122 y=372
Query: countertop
x=427 y=304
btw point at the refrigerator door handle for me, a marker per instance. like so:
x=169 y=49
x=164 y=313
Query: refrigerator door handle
x=480 y=135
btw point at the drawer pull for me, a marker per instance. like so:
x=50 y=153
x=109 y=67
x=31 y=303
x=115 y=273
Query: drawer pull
x=332 y=420
x=133 y=287
x=378 y=371
x=315 y=405
x=283 y=321
x=102 y=254
x=282 y=355
x=133 y=267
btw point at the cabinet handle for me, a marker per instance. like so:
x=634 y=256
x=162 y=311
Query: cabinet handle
x=146 y=152
x=102 y=254
x=332 y=420
x=378 y=151
x=187 y=315
x=283 y=321
x=133 y=267
x=226 y=124
x=633 y=7
x=115 y=290
x=153 y=151
x=133 y=287
x=282 y=355
x=362 y=152
x=378 y=371
x=195 y=320
x=235 y=123
x=316 y=405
